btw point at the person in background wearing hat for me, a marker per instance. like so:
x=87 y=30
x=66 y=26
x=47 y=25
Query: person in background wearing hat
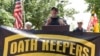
x=54 y=19
x=79 y=28
x=28 y=25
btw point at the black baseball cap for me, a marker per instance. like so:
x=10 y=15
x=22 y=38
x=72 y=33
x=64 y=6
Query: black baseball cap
x=54 y=8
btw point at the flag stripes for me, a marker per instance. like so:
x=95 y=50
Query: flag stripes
x=18 y=15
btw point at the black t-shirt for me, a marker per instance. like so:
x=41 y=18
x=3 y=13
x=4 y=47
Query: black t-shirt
x=79 y=30
x=54 y=21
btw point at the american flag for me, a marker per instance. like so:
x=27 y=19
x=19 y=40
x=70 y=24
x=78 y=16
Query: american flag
x=18 y=14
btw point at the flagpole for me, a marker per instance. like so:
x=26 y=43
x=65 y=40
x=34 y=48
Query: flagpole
x=23 y=14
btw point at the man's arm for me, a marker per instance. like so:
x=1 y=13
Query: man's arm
x=61 y=22
x=47 y=21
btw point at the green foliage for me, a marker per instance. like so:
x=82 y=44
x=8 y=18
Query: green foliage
x=94 y=5
x=6 y=18
x=36 y=11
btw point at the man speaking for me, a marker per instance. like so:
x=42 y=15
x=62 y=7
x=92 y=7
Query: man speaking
x=54 y=19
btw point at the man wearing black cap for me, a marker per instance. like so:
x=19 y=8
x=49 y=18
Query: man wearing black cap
x=54 y=19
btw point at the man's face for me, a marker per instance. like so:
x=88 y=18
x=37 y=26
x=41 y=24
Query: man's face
x=54 y=13
x=28 y=27
x=80 y=24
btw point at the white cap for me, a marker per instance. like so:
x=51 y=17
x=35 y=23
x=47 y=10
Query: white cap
x=28 y=23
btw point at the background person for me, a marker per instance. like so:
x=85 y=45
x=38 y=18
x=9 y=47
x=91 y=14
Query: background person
x=79 y=28
x=28 y=25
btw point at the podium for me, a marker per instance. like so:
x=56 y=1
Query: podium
x=55 y=28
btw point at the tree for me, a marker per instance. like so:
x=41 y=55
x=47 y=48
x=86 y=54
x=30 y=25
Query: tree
x=36 y=11
x=6 y=18
x=94 y=5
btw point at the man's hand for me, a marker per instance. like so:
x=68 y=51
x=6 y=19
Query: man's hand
x=48 y=21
